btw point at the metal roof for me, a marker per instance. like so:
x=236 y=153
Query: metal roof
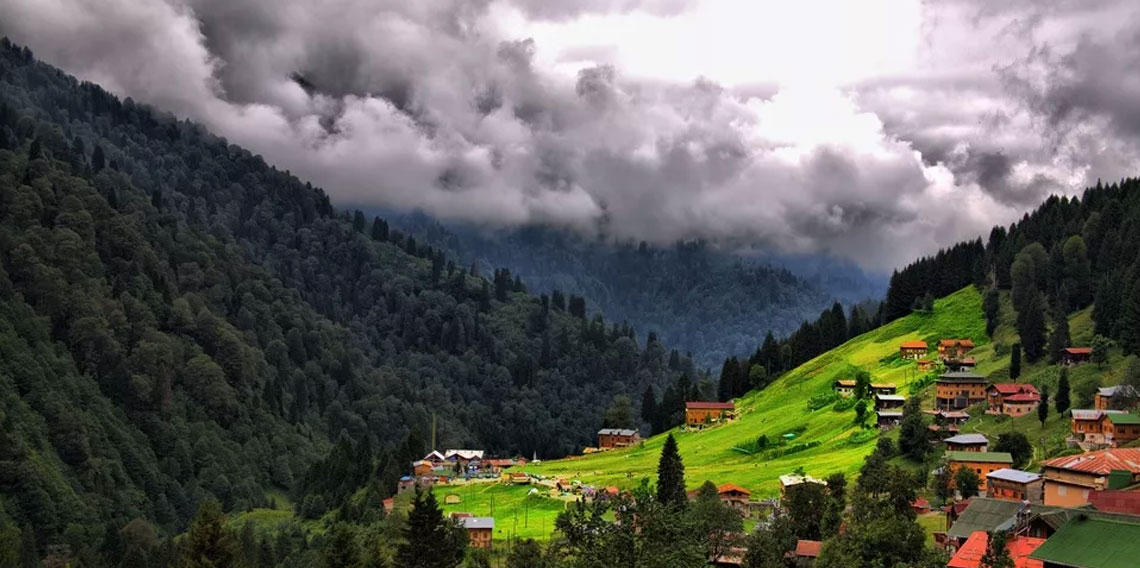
x=1092 y=543
x=985 y=514
x=710 y=405
x=1014 y=475
x=616 y=432
x=980 y=457
x=891 y=397
x=470 y=523
x=1099 y=462
x=962 y=377
x=967 y=439
x=1124 y=419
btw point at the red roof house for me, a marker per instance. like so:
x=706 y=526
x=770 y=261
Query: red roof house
x=808 y=548
x=970 y=554
x=921 y=506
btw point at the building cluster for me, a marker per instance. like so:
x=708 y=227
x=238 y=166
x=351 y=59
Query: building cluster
x=1080 y=511
x=888 y=403
x=450 y=465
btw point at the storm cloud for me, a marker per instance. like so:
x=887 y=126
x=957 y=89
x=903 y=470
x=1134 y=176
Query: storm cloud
x=455 y=108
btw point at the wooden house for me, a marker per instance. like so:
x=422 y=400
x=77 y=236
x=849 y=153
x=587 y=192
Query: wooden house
x=1076 y=355
x=1120 y=429
x=920 y=506
x=967 y=443
x=479 y=531
x=926 y=365
x=806 y=552
x=983 y=463
x=422 y=467
x=888 y=418
x=845 y=387
x=954 y=348
x=1109 y=398
x=1012 y=399
x=963 y=364
x=1069 y=479
x=912 y=349
x=959 y=390
x=734 y=496
x=1015 y=485
x=1091 y=542
x=610 y=438
x=698 y=413
x=884 y=388
x=1088 y=425
x=889 y=401
x=436 y=458
x=788 y=481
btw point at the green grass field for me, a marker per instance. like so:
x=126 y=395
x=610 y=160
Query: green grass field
x=782 y=408
x=517 y=514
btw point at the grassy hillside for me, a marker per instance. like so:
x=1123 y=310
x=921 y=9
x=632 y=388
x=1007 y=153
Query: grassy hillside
x=826 y=438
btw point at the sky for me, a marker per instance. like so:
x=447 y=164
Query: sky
x=874 y=131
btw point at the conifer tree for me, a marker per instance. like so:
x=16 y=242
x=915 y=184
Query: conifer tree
x=1015 y=361
x=671 y=475
x=997 y=555
x=1059 y=337
x=1043 y=407
x=649 y=406
x=1062 y=402
x=1031 y=326
x=208 y=543
x=430 y=541
x=913 y=432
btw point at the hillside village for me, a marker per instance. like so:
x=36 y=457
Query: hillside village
x=968 y=421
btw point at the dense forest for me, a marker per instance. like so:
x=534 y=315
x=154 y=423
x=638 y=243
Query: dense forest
x=181 y=322
x=696 y=297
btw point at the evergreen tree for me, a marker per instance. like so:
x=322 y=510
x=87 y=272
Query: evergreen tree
x=913 y=433
x=1015 y=361
x=1100 y=346
x=649 y=407
x=991 y=305
x=430 y=541
x=98 y=160
x=1062 y=401
x=208 y=543
x=966 y=482
x=997 y=555
x=1059 y=337
x=671 y=476
x=1031 y=326
x=1129 y=321
x=379 y=229
x=340 y=550
x=1017 y=445
x=526 y=553
x=1043 y=407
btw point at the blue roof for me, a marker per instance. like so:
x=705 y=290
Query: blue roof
x=1014 y=475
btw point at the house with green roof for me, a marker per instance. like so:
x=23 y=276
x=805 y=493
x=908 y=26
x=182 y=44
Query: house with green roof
x=1089 y=542
x=1120 y=429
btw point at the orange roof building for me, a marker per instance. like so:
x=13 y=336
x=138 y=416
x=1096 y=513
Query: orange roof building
x=698 y=413
x=808 y=548
x=912 y=349
x=970 y=554
x=1069 y=480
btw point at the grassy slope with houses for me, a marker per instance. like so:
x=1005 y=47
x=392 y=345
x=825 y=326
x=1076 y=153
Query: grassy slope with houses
x=830 y=442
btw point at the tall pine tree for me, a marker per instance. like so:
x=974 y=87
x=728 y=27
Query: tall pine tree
x=430 y=541
x=1015 y=361
x=1059 y=337
x=671 y=475
x=1062 y=402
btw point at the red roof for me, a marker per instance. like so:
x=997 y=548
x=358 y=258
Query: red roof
x=808 y=548
x=497 y=462
x=1079 y=350
x=1014 y=388
x=958 y=342
x=913 y=345
x=1099 y=462
x=1023 y=397
x=958 y=507
x=1127 y=502
x=921 y=503
x=728 y=487
x=611 y=490
x=971 y=552
x=709 y=406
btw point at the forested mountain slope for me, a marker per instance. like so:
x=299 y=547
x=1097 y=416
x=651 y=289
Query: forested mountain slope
x=180 y=321
x=697 y=298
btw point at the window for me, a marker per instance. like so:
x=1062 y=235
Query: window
x=1062 y=490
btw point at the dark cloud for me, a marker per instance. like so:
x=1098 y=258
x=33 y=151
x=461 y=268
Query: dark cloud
x=431 y=105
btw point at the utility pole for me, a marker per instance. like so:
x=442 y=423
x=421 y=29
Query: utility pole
x=433 y=446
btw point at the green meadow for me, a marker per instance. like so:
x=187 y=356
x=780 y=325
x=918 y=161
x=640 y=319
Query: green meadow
x=517 y=513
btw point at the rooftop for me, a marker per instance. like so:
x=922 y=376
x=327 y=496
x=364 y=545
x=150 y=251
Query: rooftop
x=891 y=397
x=1087 y=414
x=971 y=553
x=984 y=514
x=1079 y=350
x=967 y=439
x=471 y=523
x=1092 y=543
x=1111 y=391
x=729 y=487
x=913 y=344
x=1023 y=397
x=709 y=406
x=1129 y=419
x=961 y=377
x=616 y=432
x=845 y=383
x=1014 y=475
x=1100 y=462
x=790 y=479
x=890 y=413
x=883 y=386
x=1013 y=388
x=464 y=454
x=808 y=548
x=959 y=342
x=1109 y=501
x=980 y=457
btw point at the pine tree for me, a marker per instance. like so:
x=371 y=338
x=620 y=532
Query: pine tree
x=1059 y=337
x=1015 y=361
x=1031 y=326
x=208 y=543
x=671 y=475
x=997 y=555
x=991 y=305
x=913 y=441
x=1129 y=322
x=649 y=407
x=430 y=541
x=1062 y=402
x=1043 y=407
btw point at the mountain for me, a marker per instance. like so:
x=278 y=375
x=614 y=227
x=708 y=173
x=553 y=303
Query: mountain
x=697 y=298
x=181 y=322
